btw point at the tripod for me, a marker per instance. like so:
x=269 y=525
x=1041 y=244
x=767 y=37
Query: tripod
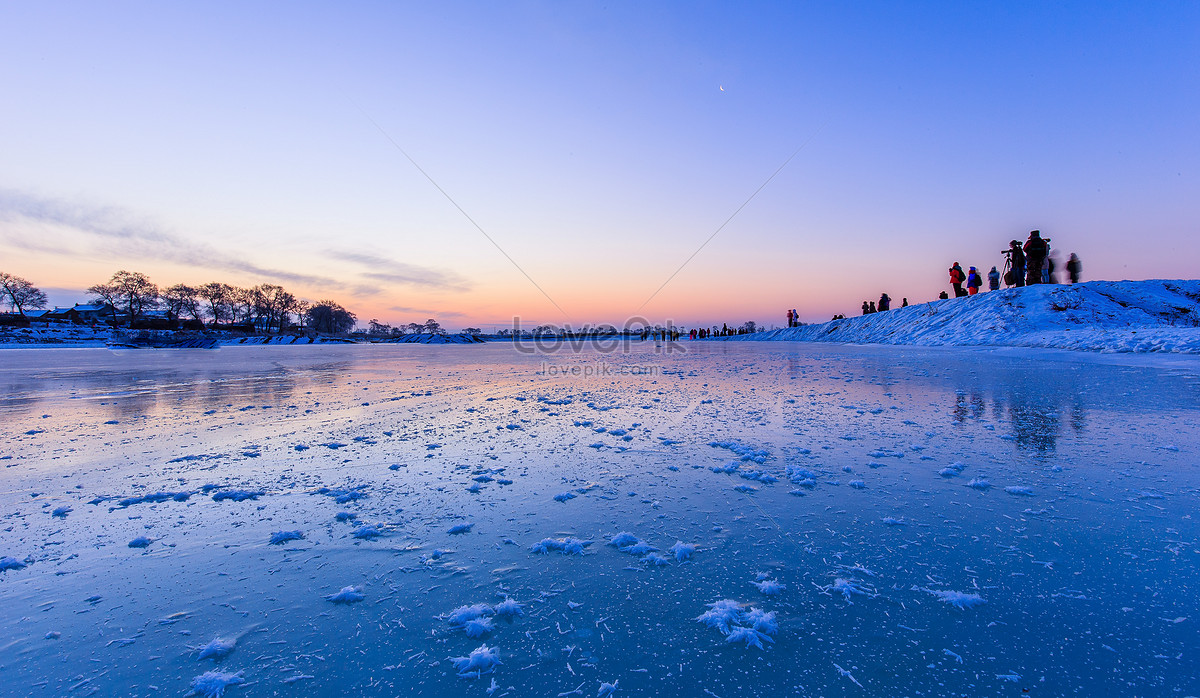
x=1008 y=277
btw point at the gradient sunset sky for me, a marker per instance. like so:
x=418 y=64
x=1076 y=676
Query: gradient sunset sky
x=598 y=145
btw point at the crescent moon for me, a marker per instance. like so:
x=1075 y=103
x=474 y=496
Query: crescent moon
x=721 y=88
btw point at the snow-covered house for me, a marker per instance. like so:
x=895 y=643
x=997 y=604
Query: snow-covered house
x=79 y=313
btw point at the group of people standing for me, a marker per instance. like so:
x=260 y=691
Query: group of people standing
x=972 y=280
x=1031 y=263
x=885 y=303
x=793 y=318
x=1028 y=264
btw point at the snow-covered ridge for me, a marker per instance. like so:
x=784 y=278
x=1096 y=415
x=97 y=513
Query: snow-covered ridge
x=1106 y=316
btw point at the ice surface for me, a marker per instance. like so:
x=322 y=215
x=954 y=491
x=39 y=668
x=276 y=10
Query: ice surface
x=137 y=445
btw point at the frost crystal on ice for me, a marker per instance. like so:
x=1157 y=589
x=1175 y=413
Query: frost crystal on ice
x=566 y=546
x=217 y=649
x=958 y=599
x=11 y=563
x=464 y=614
x=347 y=595
x=683 y=551
x=281 y=537
x=482 y=660
x=478 y=627
x=751 y=627
x=212 y=684
x=508 y=608
x=624 y=539
x=847 y=587
x=750 y=636
x=769 y=587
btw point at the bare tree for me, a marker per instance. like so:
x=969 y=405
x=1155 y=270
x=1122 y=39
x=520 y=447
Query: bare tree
x=375 y=327
x=301 y=308
x=272 y=306
x=241 y=303
x=179 y=300
x=20 y=293
x=107 y=294
x=216 y=294
x=129 y=290
x=330 y=317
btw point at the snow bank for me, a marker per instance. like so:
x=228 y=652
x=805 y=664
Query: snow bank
x=1104 y=316
x=434 y=339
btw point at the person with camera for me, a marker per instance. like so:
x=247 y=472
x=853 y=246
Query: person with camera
x=1036 y=248
x=1015 y=275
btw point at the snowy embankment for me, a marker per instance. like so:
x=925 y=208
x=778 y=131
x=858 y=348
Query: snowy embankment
x=1105 y=316
x=434 y=339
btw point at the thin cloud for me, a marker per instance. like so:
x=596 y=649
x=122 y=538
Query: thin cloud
x=425 y=311
x=393 y=272
x=117 y=232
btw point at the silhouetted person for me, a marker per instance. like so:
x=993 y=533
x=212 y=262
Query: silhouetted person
x=866 y=308
x=903 y=302
x=957 y=277
x=1073 y=268
x=1051 y=266
x=885 y=303
x=1036 y=250
x=993 y=280
x=974 y=281
x=872 y=310
x=943 y=295
x=1017 y=256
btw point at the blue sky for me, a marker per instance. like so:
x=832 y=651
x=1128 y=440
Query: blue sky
x=598 y=145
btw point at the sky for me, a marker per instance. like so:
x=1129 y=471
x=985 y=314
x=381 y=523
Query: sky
x=580 y=163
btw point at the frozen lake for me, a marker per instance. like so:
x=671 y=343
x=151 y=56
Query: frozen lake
x=919 y=521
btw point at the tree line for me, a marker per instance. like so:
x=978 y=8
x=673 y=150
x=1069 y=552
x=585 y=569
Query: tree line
x=130 y=296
